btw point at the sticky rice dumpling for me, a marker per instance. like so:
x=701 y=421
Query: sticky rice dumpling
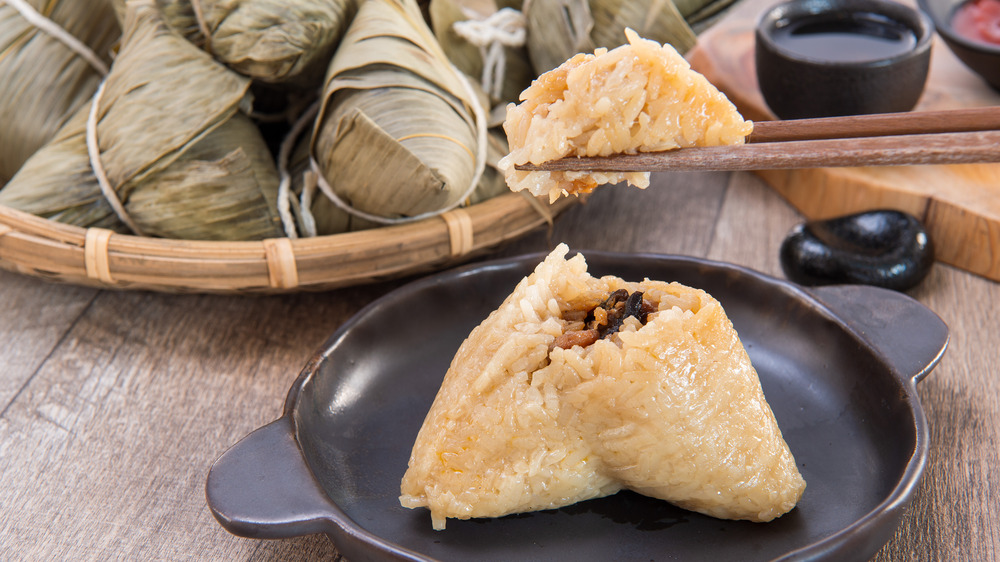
x=318 y=215
x=400 y=133
x=43 y=81
x=577 y=387
x=559 y=29
x=171 y=135
x=640 y=97
x=485 y=39
x=273 y=41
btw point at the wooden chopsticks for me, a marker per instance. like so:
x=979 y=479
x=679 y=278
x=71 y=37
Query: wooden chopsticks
x=960 y=136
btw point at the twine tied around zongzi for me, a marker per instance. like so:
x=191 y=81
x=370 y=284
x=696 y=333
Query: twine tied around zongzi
x=506 y=27
x=94 y=153
x=285 y=196
x=35 y=18
x=479 y=115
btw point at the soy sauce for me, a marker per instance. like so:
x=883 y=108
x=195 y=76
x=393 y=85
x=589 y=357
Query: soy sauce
x=846 y=37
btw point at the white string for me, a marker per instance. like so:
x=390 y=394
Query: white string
x=506 y=27
x=307 y=221
x=55 y=30
x=479 y=114
x=285 y=178
x=94 y=152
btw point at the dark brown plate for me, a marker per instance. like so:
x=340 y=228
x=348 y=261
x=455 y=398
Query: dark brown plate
x=839 y=366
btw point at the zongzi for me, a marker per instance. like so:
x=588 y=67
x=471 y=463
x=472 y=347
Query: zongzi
x=577 y=387
x=485 y=39
x=44 y=80
x=318 y=215
x=269 y=40
x=559 y=29
x=401 y=132
x=168 y=135
x=639 y=97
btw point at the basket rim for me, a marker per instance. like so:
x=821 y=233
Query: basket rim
x=98 y=257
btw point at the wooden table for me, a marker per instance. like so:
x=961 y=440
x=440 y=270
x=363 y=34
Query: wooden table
x=113 y=405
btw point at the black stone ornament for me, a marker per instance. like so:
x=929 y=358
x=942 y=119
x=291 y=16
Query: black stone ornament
x=884 y=248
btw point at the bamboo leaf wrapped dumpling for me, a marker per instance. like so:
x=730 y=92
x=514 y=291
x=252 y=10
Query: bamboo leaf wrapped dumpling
x=468 y=30
x=577 y=387
x=180 y=156
x=400 y=133
x=273 y=41
x=559 y=29
x=43 y=81
x=324 y=217
x=639 y=97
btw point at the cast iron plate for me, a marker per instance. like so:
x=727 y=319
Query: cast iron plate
x=838 y=366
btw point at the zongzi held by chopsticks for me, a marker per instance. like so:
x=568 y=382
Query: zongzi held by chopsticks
x=962 y=136
x=640 y=97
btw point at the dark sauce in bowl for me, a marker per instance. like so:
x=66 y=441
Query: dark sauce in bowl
x=821 y=58
x=846 y=37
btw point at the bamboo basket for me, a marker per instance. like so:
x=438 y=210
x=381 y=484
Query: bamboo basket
x=97 y=257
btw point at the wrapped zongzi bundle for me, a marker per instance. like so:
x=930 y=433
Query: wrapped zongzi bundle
x=401 y=133
x=577 y=387
x=269 y=40
x=167 y=137
x=559 y=29
x=485 y=39
x=318 y=215
x=640 y=97
x=46 y=76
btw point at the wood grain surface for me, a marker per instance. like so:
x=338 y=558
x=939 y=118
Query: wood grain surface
x=113 y=405
x=960 y=203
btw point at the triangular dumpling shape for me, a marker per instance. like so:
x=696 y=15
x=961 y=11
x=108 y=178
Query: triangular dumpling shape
x=577 y=387
x=639 y=97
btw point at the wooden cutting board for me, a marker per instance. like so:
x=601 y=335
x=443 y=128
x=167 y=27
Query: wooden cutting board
x=959 y=204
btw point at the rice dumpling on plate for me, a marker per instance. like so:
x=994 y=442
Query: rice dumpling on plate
x=578 y=387
x=401 y=133
x=639 y=97
x=169 y=137
x=44 y=80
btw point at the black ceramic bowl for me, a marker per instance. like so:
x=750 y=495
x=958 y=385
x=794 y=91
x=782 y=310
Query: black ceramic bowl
x=982 y=58
x=823 y=58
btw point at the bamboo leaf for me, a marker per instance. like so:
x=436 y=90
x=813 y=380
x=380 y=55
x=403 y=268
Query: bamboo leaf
x=396 y=134
x=518 y=72
x=274 y=41
x=42 y=81
x=659 y=20
x=557 y=30
x=182 y=158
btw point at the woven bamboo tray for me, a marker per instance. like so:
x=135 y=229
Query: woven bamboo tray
x=100 y=258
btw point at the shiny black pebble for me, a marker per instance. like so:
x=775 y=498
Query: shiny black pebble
x=884 y=248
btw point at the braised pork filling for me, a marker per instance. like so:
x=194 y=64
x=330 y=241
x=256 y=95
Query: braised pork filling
x=584 y=327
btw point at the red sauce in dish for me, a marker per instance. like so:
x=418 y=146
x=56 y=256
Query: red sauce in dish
x=978 y=20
